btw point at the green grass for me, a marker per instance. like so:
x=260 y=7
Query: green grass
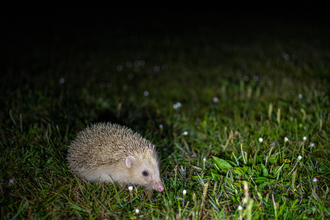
x=40 y=116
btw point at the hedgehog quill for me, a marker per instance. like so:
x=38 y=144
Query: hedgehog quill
x=107 y=152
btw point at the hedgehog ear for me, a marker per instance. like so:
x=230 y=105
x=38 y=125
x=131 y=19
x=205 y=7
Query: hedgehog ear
x=129 y=161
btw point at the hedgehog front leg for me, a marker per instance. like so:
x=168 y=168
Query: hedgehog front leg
x=105 y=178
x=94 y=176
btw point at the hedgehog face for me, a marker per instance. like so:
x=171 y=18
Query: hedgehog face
x=145 y=172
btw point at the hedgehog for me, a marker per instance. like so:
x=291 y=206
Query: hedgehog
x=108 y=152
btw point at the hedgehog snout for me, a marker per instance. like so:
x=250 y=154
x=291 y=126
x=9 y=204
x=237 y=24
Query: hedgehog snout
x=160 y=186
x=157 y=185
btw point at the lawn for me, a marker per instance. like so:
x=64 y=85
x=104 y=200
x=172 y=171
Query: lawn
x=240 y=115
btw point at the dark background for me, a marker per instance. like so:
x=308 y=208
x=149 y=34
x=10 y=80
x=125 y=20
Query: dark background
x=54 y=17
x=33 y=24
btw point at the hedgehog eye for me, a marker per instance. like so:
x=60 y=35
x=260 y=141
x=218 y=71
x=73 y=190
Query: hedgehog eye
x=145 y=173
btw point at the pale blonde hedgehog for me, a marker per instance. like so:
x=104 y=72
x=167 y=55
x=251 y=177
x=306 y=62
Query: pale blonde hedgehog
x=107 y=152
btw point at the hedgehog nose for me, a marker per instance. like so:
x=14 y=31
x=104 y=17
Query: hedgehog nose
x=160 y=187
